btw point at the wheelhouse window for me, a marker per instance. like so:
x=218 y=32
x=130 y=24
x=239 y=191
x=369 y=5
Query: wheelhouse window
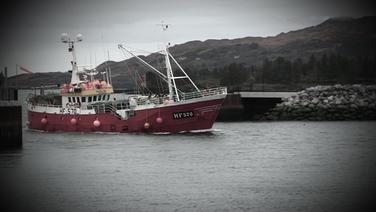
x=95 y=99
x=99 y=97
x=108 y=97
x=74 y=99
x=78 y=100
x=69 y=99
x=89 y=100
x=83 y=99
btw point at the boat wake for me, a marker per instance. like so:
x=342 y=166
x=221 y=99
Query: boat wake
x=192 y=132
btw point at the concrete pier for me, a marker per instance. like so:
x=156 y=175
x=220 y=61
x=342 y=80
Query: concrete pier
x=10 y=125
x=232 y=108
x=242 y=106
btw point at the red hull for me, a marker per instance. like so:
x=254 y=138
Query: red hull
x=202 y=117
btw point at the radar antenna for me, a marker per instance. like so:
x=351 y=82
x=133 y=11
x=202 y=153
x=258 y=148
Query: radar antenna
x=66 y=39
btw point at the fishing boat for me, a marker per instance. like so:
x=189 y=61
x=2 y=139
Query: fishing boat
x=89 y=104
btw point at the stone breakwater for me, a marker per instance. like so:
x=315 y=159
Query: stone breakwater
x=337 y=102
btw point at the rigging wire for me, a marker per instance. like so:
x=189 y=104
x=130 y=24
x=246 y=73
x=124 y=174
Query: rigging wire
x=141 y=51
x=122 y=47
x=137 y=78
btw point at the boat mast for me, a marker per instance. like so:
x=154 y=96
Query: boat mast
x=170 y=78
x=65 y=39
x=109 y=79
x=170 y=74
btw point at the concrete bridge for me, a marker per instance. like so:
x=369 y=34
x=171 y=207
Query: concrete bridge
x=276 y=95
x=241 y=106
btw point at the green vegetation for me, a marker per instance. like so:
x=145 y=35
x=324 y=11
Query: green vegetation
x=332 y=68
x=325 y=69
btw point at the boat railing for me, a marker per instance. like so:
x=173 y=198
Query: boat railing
x=44 y=105
x=109 y=107
x=149 y=100
x=203 y=93
x=121 y=105
x=157 y=100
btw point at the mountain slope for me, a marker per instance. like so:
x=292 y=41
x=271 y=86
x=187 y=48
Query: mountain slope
x=348 y=37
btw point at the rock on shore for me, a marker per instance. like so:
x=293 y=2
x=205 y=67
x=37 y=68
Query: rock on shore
x=337 y=102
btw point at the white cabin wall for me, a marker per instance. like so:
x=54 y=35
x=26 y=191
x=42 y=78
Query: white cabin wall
x=64 y=101
x=119 y=96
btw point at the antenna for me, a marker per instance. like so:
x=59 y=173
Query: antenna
x=66 y=39
x=109 y=78
x=164 y=26
x=104 y=75
x=169 y=73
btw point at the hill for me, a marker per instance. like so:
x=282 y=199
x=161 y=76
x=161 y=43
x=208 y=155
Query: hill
x=339 y=50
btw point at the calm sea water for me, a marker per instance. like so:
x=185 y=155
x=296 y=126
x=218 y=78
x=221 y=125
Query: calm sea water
x=249 y=166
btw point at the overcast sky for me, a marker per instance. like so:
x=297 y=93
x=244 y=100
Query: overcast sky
x=30 y=30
